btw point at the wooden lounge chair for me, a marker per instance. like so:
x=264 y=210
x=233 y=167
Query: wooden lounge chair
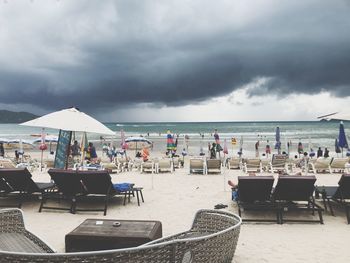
x=197 y=166
x=164 y=165
x=234 y=163
x=7 y=163
x=296 y=193
x=213 y=166
x=254 y=193
x=252 y=165
x=321 y=164
x=338 y=164
x=278 y=163
x=339 y=194
x=19 y=181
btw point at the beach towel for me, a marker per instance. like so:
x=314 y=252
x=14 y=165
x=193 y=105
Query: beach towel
x=123 y=187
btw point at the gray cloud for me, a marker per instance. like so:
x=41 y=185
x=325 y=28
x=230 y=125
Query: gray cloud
x=119 y=53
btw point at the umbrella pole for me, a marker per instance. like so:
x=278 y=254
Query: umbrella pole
x=41 y=161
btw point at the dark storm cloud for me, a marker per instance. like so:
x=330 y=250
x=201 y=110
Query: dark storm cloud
x=116 y=54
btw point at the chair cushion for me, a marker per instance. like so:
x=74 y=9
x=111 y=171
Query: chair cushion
x=16 y=242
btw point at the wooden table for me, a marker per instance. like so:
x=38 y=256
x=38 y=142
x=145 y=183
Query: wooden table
x=97 y=234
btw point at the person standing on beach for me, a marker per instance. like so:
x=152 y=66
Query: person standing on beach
x=2 y=150
x=319 y=152
x=326 y=153
x=75 y=150
x=257 y=149
x=267 y=149
x=92 y=151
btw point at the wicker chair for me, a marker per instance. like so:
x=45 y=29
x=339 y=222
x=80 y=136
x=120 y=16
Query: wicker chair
x=213 y=237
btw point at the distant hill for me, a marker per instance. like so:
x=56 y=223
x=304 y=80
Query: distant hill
x=15 y=117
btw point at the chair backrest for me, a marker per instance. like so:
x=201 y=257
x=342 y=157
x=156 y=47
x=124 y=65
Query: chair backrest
x=343 y=190
x=234 y=161
x=254 y=188
x=17 y=179
x=339 y=162
x=164 y=163
x=67 y=181
x=279 y=159
x=196 y=163
x=96 y=182
x=294 y=188
x=213 y=164
x=6 y=163
x=255 y=162
x=323 y=162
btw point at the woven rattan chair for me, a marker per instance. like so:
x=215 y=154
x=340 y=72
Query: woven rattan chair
x=213 y=237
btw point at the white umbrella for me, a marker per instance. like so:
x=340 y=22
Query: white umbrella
x=70 y=120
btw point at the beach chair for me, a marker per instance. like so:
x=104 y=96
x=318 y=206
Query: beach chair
x=291 y=164
x=112 y=167
x=234 y=163
x=14 y=237
x=320 y=164
x=164 y=165
x=213 y=166
x=296 y=193
x=7 y=163
x=254 y=193
x=338 y=164
x=176 y=162
x=19 y=182
x=69 y=187
x=148 y=166
x=99 y=183
x=123 y=163
x=197 y=165
x=265 y=164
x=278 y=163
x=339 y=194
x=252 y=165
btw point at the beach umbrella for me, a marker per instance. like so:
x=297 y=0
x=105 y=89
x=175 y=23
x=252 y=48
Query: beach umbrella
x=70 y=120
x=342 y=141
x=20 y=144
x=278 y=140
x=48 y=139
x=136 y=143
x=170 y=145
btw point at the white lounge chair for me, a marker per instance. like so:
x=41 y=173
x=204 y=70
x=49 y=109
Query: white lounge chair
x=338 y=164
x=164 y=165
x=148 y=166
x=234 y=163
x=213 y=166
x=197 y=166
x=252 y=165
x=320 y=164
x=278 y=163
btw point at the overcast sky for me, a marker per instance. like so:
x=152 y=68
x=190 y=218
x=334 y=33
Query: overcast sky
x=176 y=60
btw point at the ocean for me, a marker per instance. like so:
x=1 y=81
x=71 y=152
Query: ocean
x=319 y=134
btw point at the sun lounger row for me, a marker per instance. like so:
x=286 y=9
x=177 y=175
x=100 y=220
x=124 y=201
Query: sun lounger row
x=291 y=193
x=329 y=164
x=203 y=166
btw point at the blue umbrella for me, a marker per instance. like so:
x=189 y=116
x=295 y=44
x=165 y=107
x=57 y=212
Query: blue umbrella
x=278 y=140
x=342 y=141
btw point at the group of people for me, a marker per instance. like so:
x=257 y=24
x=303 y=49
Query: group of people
x=90 y=152
x=324 y=154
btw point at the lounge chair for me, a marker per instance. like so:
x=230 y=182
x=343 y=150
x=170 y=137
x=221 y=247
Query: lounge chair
x=291 y=164
x=213 y=166
x=7 y=163
x=278 y=163
x=123 y=163
x=296 y=193
x=213 y=237
x=234 y=163
x=339 y=194
x=164 y=165
x=197 y=166
x=254 y=193
x=252 y=165
x=338 y=164
x=320 y=164
x=148 y=166
x=76 y=185
x=176 y=162
x=19 y=181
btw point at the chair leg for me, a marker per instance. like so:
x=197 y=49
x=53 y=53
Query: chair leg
x=106 y=205
x=137 y=196
x=320 y=216
x=347 y=211
x=330 y=206
x=43 y=197
x=73 y=205
x=142 y=196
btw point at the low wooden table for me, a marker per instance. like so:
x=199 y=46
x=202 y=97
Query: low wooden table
x=97 y=234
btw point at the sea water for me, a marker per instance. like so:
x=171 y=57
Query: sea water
x=309 y=133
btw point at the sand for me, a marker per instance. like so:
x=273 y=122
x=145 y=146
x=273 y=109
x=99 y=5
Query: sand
x=174 y=198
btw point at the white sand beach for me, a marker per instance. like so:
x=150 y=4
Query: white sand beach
x=175 y=197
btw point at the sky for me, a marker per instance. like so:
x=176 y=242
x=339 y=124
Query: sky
x=170 y=60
